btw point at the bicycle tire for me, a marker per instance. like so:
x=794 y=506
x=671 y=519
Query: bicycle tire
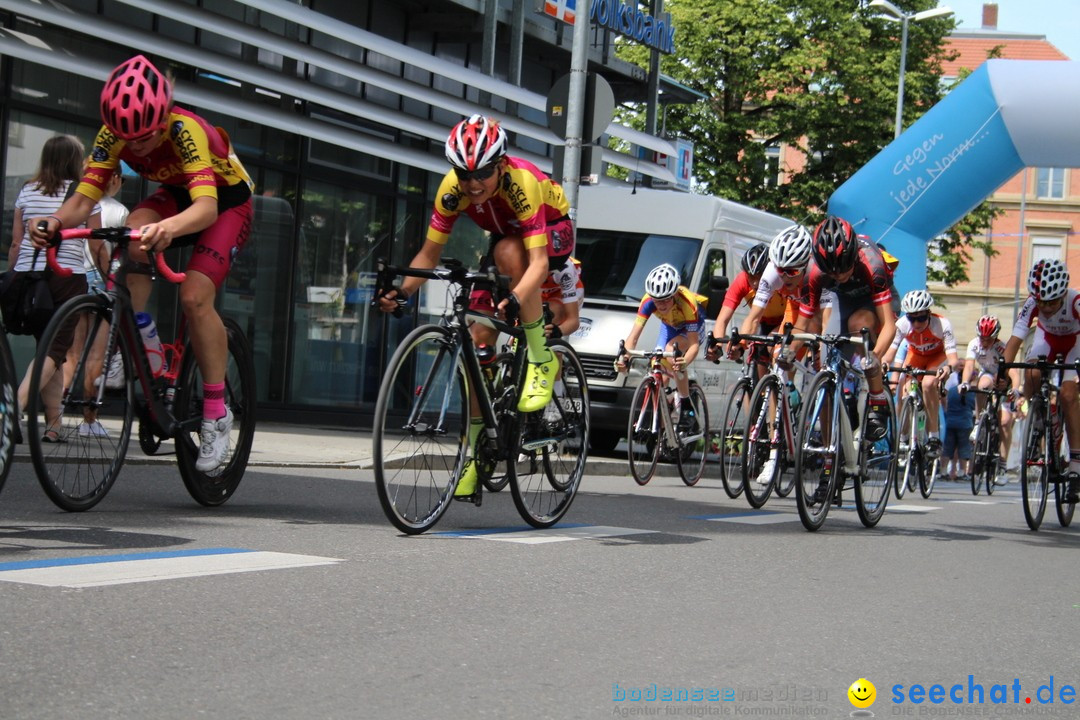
x=9 y=409
x=732 y=431
x=418 y=457
x=691 y=467
x=553 y=446
x=909 y=451
x=1034 y=467
x=818 y=422
x=979 y=456
x=1064 y=509
x=877 y=473
x=78 y=471
x=928 y=477
x=757 y=440
x=215 y=488
x=993 y=456
x=490 y=470
x=643 y=430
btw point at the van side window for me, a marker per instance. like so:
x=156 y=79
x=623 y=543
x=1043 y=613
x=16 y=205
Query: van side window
x=715 y=264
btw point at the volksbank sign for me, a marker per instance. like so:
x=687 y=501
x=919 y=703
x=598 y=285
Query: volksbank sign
x=627 y=19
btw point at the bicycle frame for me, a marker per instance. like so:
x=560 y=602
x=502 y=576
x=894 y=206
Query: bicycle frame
x=843 y=429
x=661 y=375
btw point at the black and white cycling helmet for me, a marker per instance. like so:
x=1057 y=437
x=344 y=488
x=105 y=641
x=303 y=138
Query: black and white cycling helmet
x=916 y=301
x=1048 y=280
x=756 y=259
x=791 y=248
x=662 y=282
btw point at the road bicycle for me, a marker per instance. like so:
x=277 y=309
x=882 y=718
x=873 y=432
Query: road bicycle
x=986 y=460
x=651 y=432
x=729 y=441
x=10 y=434
x=770 y=429
x=831 y=446
x=94 y=428
x=916 y=466
x=422 y=415
x=1041 y=460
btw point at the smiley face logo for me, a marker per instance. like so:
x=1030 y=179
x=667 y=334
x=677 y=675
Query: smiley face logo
x=862 y=693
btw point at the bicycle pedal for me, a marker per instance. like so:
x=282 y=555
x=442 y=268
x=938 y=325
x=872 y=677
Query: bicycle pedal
x=476 y=498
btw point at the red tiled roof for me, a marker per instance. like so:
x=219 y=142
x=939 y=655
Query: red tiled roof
x=974 y=48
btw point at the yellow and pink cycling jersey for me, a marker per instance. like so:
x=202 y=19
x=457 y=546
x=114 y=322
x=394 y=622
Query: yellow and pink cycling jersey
x=194 y=155
x=526 y=203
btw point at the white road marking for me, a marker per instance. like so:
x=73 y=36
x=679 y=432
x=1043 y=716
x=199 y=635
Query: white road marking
x=757 y=518
x=550 y=535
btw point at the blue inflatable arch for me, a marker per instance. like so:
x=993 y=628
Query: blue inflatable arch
x=1005 y=116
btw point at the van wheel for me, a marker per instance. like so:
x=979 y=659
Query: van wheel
x=603 y=441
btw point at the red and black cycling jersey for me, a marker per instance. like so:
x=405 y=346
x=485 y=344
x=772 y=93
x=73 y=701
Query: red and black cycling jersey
x=193 y=156
x=526 y=202
x=869 y=284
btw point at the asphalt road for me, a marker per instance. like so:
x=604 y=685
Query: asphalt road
x=662 y=591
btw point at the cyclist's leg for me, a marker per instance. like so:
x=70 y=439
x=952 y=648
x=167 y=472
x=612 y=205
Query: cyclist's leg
x=480 y=301
x=861 y=317
x=1068 y=400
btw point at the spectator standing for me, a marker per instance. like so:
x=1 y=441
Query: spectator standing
x=959 y=419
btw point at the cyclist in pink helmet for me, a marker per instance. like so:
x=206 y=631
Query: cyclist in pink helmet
x=531 y=234
x=204 y=199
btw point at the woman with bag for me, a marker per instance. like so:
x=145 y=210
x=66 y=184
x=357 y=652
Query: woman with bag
x=61 y=165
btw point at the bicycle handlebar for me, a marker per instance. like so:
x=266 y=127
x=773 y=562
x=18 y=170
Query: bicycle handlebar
x=451 y=270
x=120 y=235
x=1041 y=363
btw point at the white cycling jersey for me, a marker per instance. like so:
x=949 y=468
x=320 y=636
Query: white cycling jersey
x=986 y=358
x=1065 y=322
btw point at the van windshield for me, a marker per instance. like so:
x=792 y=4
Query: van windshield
x=614 y=264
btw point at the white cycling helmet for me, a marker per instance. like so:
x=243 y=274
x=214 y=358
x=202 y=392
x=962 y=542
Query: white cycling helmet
x=916 y=301
x=662 y=282
x=791 y=248
x=1048 y=280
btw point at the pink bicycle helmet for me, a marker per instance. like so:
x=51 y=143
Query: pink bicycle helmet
x=136 y=99
x=475 y=143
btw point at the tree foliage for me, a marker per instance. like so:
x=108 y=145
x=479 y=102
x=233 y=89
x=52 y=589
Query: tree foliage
x=816 y=76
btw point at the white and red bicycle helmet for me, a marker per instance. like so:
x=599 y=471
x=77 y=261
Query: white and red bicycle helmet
x=988 y=326
x=475 y=143
x=136 y=99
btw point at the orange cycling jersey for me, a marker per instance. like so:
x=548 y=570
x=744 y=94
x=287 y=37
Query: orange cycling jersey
x=193 y=155
x=526 y=202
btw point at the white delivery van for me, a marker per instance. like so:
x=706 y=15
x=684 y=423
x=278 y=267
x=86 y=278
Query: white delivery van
x=621 y=235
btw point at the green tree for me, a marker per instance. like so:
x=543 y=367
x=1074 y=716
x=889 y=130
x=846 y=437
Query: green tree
x=819 y=76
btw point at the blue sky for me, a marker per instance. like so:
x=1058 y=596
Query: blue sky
x=1058 y=20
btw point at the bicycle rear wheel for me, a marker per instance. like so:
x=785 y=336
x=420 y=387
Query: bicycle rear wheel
x=86 y=445
x=9 y=409
x=215 y=487
x=877 y=473
x=819 y=456
x=928 y=475
x=554 y=446
x=694 y=450
x=909 y=452
x=732 y=430
x=980 y=457
x=1064 y=508
x=993 y=456
x=757 y=446
x=419 y=438
x=1035 y=467
x=643 y=430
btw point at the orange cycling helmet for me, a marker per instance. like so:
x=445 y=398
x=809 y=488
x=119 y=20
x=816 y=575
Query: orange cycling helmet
x=475 y=143
x=136 y=99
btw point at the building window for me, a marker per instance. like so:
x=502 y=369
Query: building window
x=1045 y=247
x=772 y=166
x=1050 y=184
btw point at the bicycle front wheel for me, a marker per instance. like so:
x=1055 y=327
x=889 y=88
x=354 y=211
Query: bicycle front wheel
x=9 y=409
x=819 y=457
x=554 y=446
x=79 y=432
x=909 y=452
x=419 y=439
x=993 y=456
x=980 y=457
x=694 y=445
x=1035 y=467
x=1064 y=508
x=758 y=448
x=643 y=430
x=492 y=471
x=215 y=487
x=877 y=473
x=732 y=430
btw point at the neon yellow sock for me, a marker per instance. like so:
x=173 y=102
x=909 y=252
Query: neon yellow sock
x=536 y=342
x=475 y=426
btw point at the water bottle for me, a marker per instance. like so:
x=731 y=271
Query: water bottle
x=155 y=353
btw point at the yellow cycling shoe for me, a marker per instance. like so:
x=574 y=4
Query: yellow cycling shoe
x=466 y=486
x=539 y=382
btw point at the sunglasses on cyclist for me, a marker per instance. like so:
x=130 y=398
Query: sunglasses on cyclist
x=791 y=271
x=479 y=174
x=921 y=318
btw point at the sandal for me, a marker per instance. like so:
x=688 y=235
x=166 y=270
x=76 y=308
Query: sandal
x=52 y=435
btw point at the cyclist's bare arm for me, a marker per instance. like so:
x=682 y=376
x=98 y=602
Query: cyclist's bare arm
x=888 y=330
x=426 y=259
x=631 y=344
x=1012 y=346
x=74 y=212
x=159 y=235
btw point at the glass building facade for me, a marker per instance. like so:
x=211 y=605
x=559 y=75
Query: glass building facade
x=339 y=110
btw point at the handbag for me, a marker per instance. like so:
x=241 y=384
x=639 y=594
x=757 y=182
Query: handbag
x=25 y=301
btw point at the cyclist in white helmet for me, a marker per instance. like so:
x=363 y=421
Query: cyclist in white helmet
x=682 y=326
x=1055 y=307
